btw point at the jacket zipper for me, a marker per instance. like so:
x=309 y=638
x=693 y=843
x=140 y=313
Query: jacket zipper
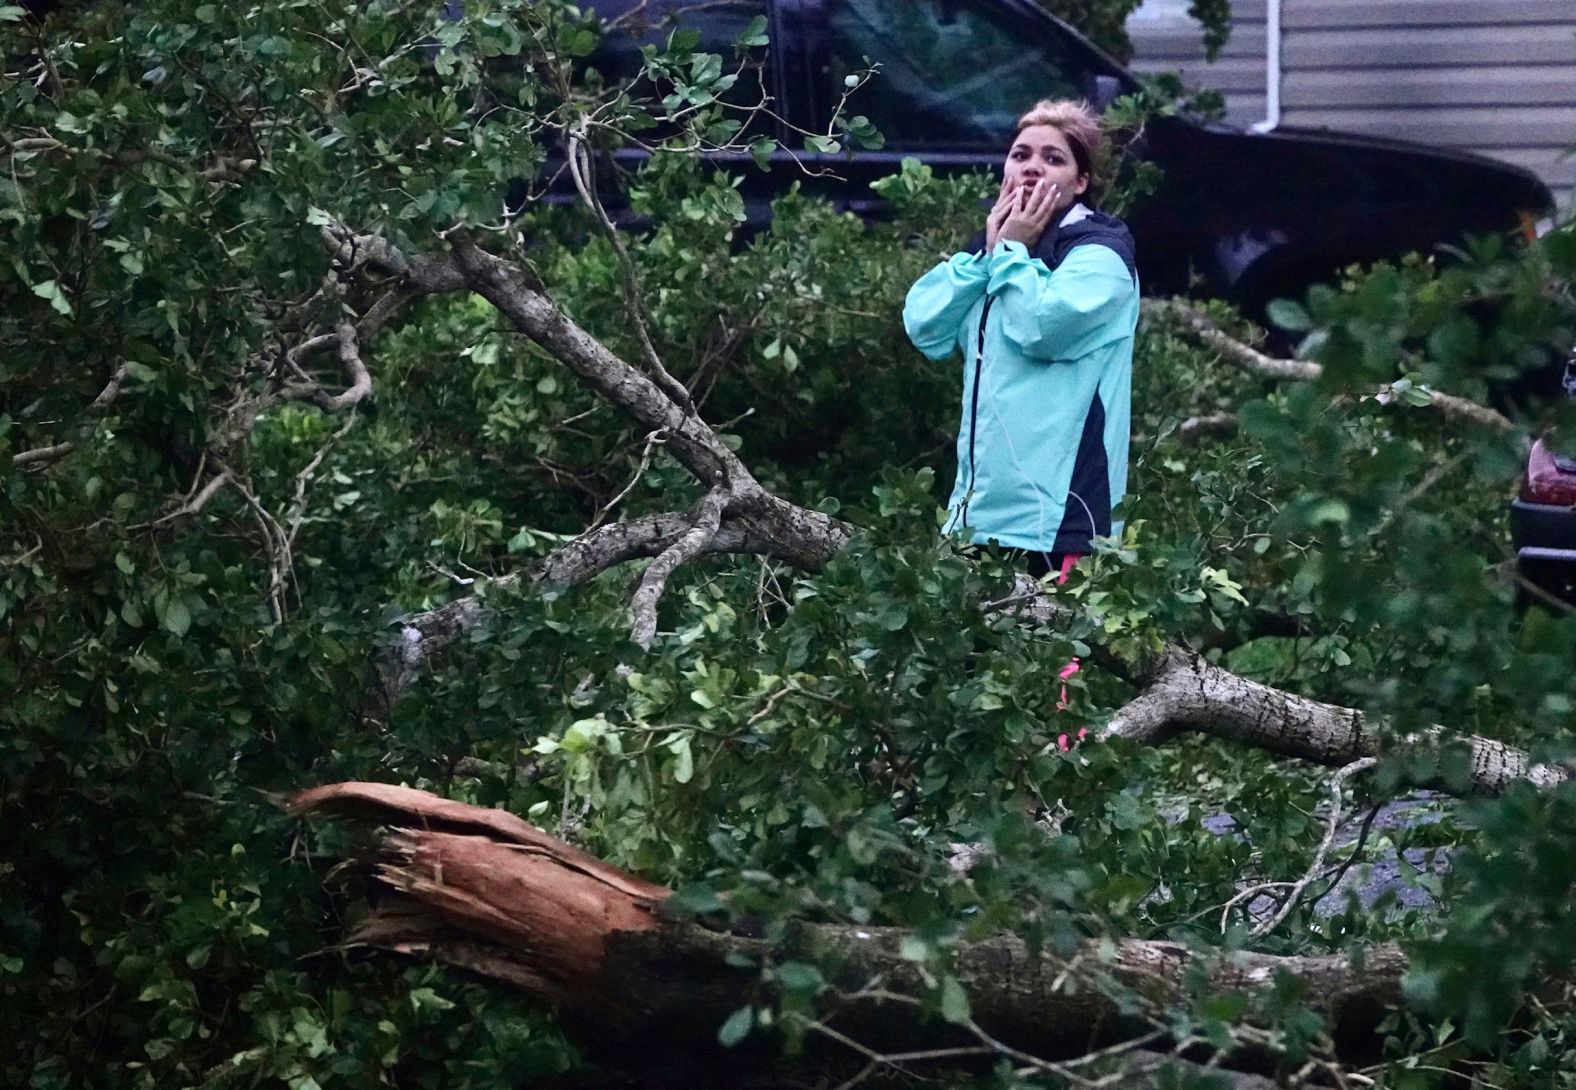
x=974 y=412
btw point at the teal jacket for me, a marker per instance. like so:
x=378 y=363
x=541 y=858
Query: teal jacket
x=1047 y=343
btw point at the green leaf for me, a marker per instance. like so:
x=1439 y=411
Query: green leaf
x=761 y=151
x=954 y=1001
x=1289 y=315
x=684 y=767
x=754 y=34
x=176 y=618
x=737 y=1027
x=692 y=899
x=51 y=290
x=799 y=977
x=426 y=997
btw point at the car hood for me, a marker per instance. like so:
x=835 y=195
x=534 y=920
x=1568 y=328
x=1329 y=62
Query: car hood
x=1336 y=138
x=1285 y=144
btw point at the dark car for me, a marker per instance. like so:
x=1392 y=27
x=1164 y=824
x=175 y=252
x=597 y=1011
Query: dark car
x=1243 y=216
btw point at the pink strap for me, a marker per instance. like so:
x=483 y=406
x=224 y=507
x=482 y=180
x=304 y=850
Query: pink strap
x=1068 y=561
x=1071 y=668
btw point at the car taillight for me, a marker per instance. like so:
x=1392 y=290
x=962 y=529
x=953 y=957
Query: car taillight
x=1532 y=227
x=1551 y=475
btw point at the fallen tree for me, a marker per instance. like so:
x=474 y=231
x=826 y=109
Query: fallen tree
x=486 y=892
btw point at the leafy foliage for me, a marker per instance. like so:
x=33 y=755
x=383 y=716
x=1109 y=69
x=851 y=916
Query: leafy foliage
x=1105 y=22
x=794 y=745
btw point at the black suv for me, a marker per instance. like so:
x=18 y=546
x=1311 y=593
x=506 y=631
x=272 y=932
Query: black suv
x=1239 y=215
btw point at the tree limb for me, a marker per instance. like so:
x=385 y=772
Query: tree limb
x=582 y=169
x=1340 y=778
x=360 y=378
x=1196 y=429
x=766 y=531
x=1247 y=358
x=643 y=606
x=43 y=457
x=1185 y=691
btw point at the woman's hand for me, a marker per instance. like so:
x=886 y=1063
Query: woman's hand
x=1028 y=213
x=998 y=216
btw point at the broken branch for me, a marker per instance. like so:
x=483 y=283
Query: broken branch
x=643 y=606
x=1201 y=326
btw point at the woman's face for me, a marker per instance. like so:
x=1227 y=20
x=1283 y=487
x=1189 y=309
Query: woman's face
x=1042 y=152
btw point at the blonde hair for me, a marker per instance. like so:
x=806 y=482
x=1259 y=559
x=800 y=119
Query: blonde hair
x=1084 y=131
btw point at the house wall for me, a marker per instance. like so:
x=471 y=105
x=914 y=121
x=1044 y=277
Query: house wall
x=1166 y=40
x=1492 y=76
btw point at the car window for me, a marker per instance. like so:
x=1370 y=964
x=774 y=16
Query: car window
x=632 y=25
x=953 y=74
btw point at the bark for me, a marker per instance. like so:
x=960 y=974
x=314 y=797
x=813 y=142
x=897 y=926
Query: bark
x=708 y=520
x=1248 y=358
x=766 y=527
x=736 y=514
x=483 y=890
x=1186 y=692
x=46 y=456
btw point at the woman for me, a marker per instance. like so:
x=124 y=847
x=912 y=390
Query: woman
x=1044 y=305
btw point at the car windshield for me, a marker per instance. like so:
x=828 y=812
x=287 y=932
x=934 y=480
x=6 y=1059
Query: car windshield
x=952 y=75
x=719 y=23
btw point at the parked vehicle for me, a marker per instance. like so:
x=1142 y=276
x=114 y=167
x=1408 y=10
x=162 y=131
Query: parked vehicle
x=1242 y=216
x=1543 y=518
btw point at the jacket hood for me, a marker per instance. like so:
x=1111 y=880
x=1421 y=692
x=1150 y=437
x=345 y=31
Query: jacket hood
x=1093 y=228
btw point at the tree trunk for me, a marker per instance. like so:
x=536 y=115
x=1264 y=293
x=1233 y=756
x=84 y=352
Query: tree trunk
x=483 y=890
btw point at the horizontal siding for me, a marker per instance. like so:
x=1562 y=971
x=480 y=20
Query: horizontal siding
x=1176 y=45
x=1185 y=42
x=1431 y=47
x=1420 y=14
x=1452 y=126
x=1496 y=77
x=1558 y=173
x=1227 y=77
x=1518 y=85
x=1242 y=11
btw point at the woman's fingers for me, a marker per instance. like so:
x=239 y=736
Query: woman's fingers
x=1037 y=210
x=1032 y=197
x=1045 y=195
